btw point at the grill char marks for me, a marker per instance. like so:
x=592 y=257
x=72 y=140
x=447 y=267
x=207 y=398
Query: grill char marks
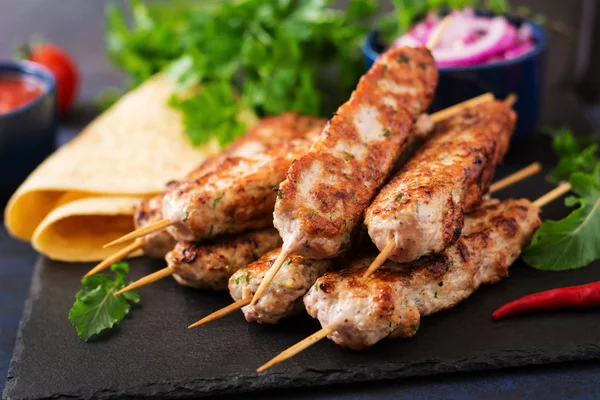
x=237 y=194
x=264 y=136
x=210 y=265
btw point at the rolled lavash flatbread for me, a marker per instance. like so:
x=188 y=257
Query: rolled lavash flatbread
x=84 y=194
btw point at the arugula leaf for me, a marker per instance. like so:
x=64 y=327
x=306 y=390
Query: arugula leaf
x=574 y=241
x=96 y=308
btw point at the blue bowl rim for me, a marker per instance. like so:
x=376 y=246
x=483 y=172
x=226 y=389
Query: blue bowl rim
x=540 y=44
x=32 y=69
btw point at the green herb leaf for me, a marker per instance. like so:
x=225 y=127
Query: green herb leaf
x=217 y=199
x=96 y=308
x=234 y=57
x=576 y=155
x=572 y=242
x=245 y=277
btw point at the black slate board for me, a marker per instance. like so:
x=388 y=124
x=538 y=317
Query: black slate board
x=153 y=354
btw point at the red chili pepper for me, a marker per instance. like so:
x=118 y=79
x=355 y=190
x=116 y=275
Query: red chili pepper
x=556 y=299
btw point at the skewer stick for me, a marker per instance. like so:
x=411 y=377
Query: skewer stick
x=439 y=31
x=380 y=259
x=553 y=194
x=448 y=112
x=297 y=348
x=116 y=257
x=315 y=337
x=516 y=177
x=509 y=180
x=510 y=100
x=148 y=279
x=143 y=231
x=264 y=284
x=222 y=312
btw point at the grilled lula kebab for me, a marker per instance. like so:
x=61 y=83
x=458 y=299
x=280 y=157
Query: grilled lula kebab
x=284 y=296
x=237 y=196
x=279 y=138
x=293 y=267
x=357 y=313
x=209 y=264
x=322 y=200
x=421 y=131
x=266 y=134
x=420 y=211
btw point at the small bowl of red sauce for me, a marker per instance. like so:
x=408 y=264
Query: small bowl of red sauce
x=27 y=121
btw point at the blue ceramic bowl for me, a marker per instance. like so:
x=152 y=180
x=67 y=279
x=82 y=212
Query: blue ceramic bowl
x=522 y=76
x=26 y=133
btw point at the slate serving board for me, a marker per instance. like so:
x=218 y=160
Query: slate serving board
x=153 y=354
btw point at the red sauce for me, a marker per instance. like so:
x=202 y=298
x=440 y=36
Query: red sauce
x=16 y=92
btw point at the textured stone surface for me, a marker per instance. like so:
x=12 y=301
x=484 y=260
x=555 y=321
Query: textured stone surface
x=152 y=353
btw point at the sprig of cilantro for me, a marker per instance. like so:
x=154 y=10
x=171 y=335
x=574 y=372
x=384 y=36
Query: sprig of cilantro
x=228 y=57
x=96 y=308
x=572 y=242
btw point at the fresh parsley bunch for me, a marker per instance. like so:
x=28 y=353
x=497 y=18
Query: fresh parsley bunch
x=267 y=56
x=574 y=241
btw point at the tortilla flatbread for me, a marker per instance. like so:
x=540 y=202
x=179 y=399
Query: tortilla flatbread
x=83 y=195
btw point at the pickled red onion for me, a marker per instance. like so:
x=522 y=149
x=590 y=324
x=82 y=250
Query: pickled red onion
x=471 y=40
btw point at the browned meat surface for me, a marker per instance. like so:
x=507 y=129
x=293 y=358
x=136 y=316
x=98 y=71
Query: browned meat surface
x=285 y=135
x=325 y=193
x=421 y=209
x=284 y=296
x=155 y=244
x=209 y=265
x=391 y=302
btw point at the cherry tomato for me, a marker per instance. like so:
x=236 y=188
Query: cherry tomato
x=65 y=71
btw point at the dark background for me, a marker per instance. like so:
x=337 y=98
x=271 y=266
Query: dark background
x=572 y=88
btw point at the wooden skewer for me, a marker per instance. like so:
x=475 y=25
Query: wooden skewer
x=143 y=231
x=222 y=312
x=297 y=348
x=448 y=112
x=510 y=100
x=264 y=284
x=553 y=194
x=148 y=279
x=516 y=177
x=509 y=180
x=315 y=337
x=380 y=259
x=439 y=31
x=116 y=257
